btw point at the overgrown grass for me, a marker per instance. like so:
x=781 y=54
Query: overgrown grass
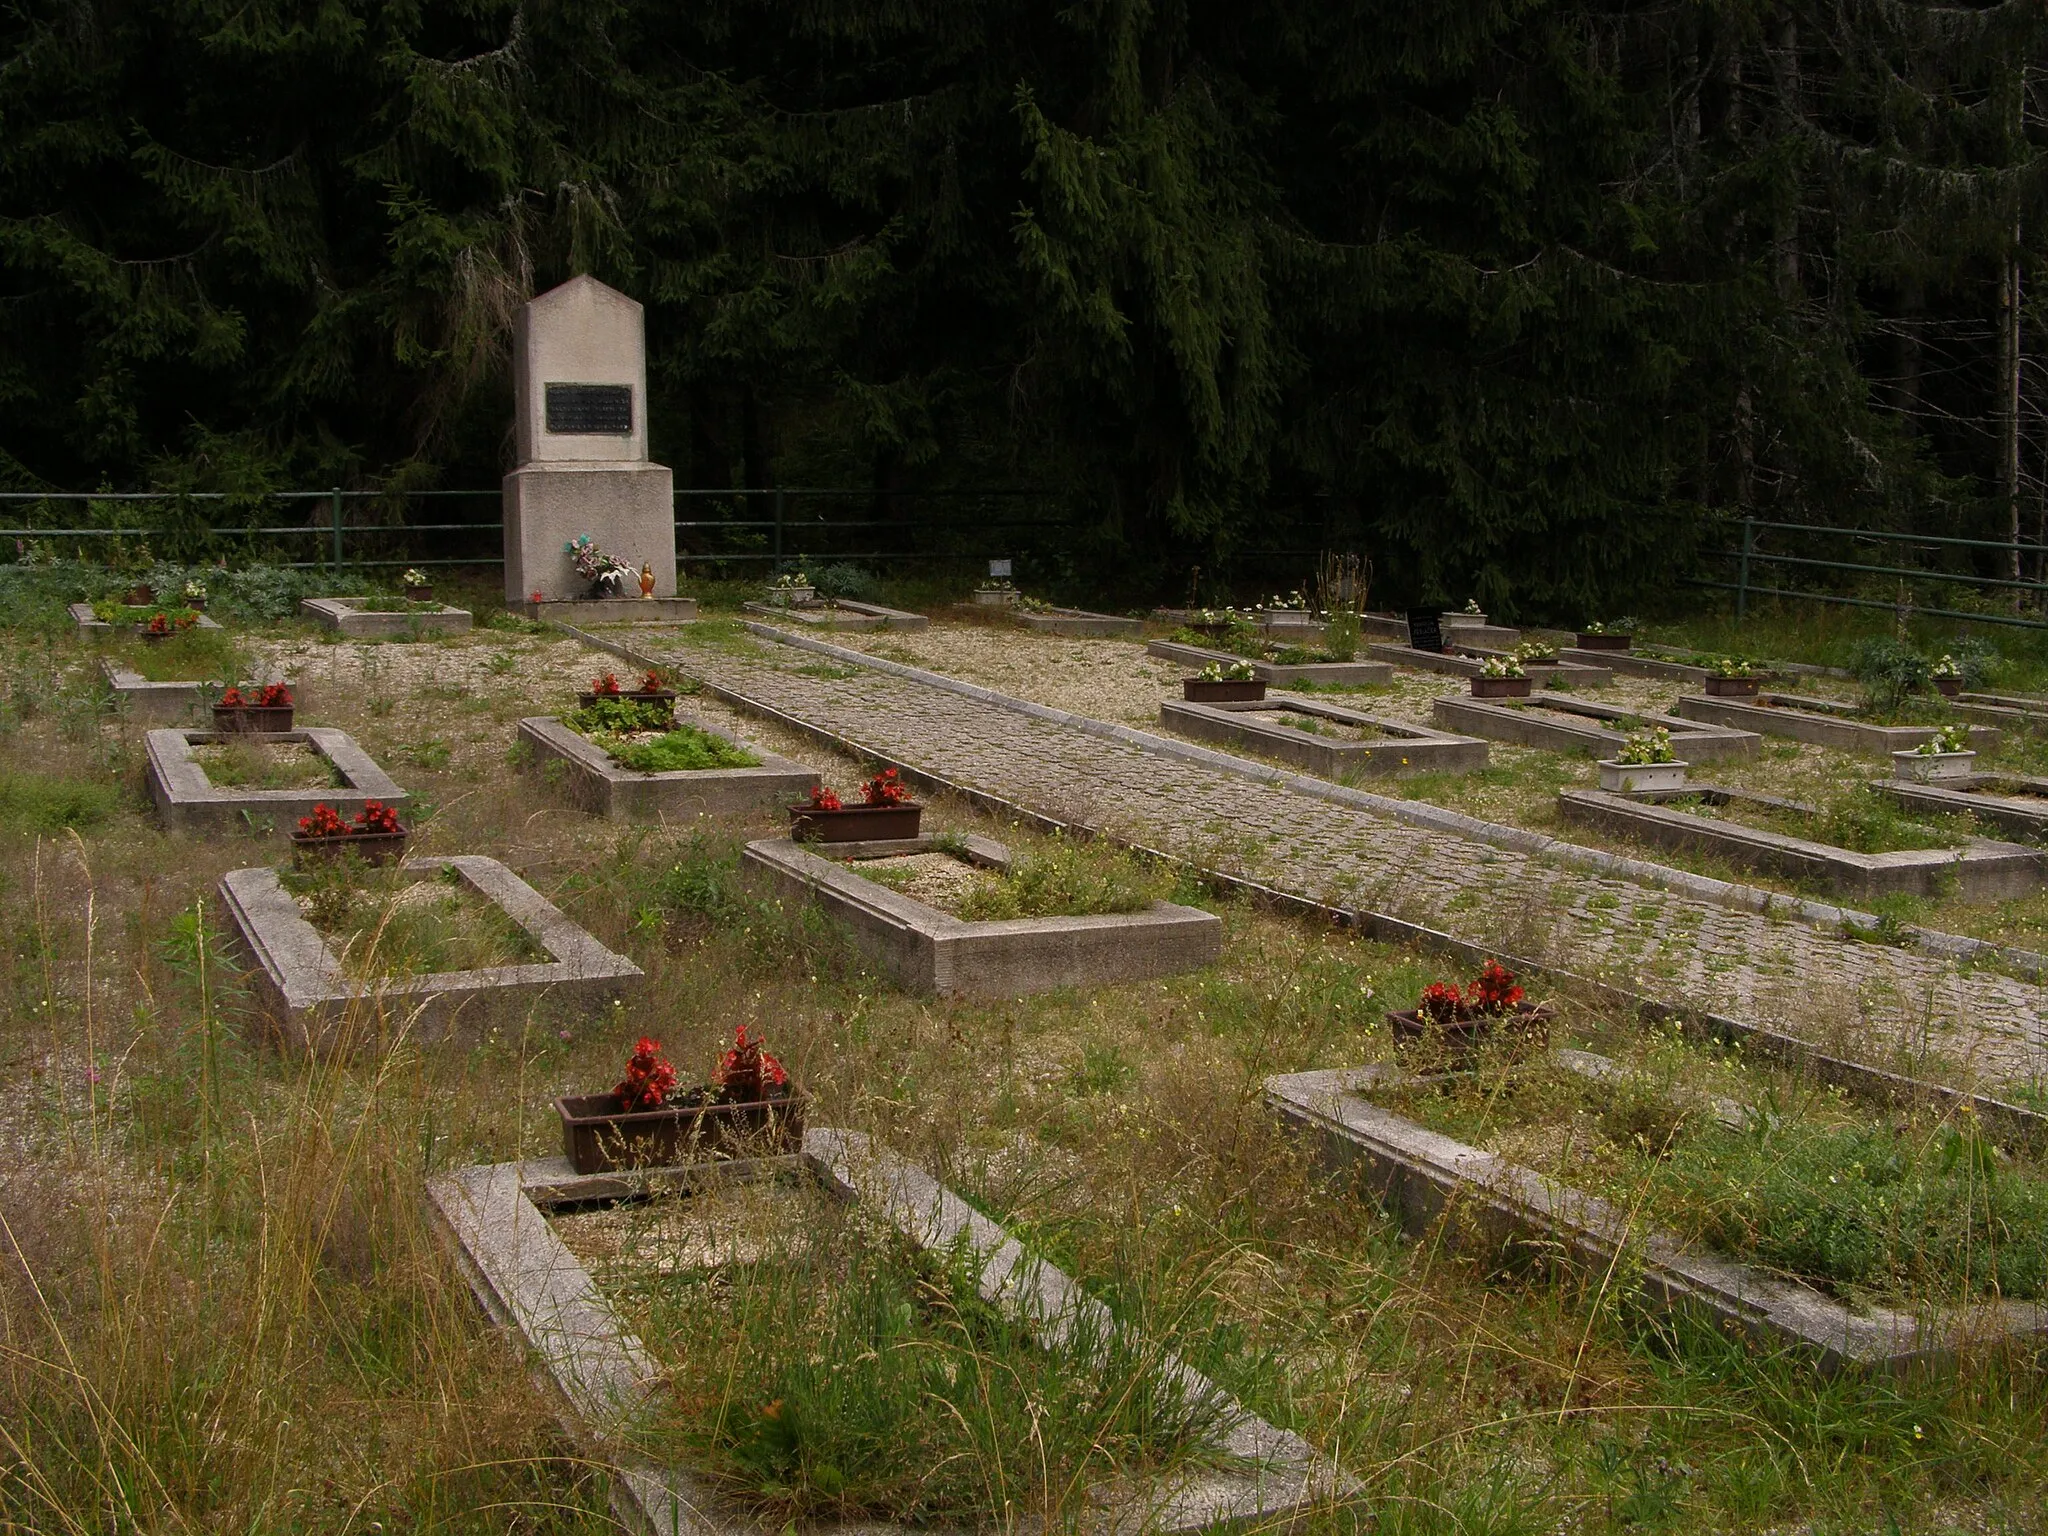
x=49 y=803
x=385 y=923
x=686 y=749
x=194 y=655
x=1066 y=879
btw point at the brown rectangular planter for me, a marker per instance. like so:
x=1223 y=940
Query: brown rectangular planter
x=1500 y=687
x=253 y=717
x=855 y=823
x=598 y=1137
x=375 y=847
x=1229 y=690
x=1529 y=1023
x=662 y=696
x=1732 y=687
x=419 y=594
x=1605 y=642
x=1948 y=687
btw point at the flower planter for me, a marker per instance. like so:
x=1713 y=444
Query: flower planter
x=996 y=599
x=666 y=697
x=1933 y=767
x=1500 y=687
x=1228 y=690
x=1732 y=687
x=419 y=594
x=784 y=597
x=855 y=823
x=196 y=604
x=1948 y=687
x=139 y=596
x=1604 y=642
x=1528 y=1024
x=1622 y=777
x=1461 y=620
x=1215 y=629
x=252 y=717
x=373 y=847
x=598 y=1137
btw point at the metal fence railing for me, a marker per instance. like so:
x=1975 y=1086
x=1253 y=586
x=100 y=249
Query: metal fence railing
x=1769 y=554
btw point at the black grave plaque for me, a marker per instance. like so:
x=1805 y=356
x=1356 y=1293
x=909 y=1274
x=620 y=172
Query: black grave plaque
x=590 y=410
x=1425 y=630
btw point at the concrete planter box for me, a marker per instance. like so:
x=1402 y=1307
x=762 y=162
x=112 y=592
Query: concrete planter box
x=1559 y=723
x=1462 y=619
x=1820 y=721
x=1933 y=767
x=1459 y=660
x=313 y=1003
x=1731 y=687
x=1980 y=870
x=841 y=613
x=599 y=1137
x=1360 y=674
x=149 y=703
x=602 y=1376
x=1385 y=747
x=1225 y=690
x=1079 y=623
x=784 y=597
x=356 y=623
x=926 y=950
x=187 y=801
x=590 y=778
x=996 y=598
x=1590 y=642
x=579 y=611
x=1632 y=776
x=1480 y=1201
x=1501 y=687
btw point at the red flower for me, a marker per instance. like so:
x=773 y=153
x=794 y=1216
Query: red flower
x=747 y=1072
x=324 y=822
x=649 y=1077
x=1495 y=990
x=823 y=799
x=1440 y=1002
x=159 y=625
x=232 y=699
x=535 y=596
x=376 y=816
x=274 y=696
x=884 y=789
x=606 y=686
x=651 y=683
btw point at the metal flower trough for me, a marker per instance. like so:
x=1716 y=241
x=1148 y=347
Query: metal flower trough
x=312 y=1001
x=591 y=778
x=1326 y=739
x=928 y=950
x=356 y=621
x=1978 y=869
x=1824 y=722
x=188 y=801
x=607 y=1384
x=1356 y=673
x=1426 y=1178
x=1561 y=723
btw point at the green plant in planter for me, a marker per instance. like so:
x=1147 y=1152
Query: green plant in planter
x=682 y=750
x=1643 y=749
x=1236 y=672
x=1731 y=666
x=1889 y=671
x=1501 y=666
x=1950 y=738
x=616 y=717
x=1340 y=635
x=1535 y=650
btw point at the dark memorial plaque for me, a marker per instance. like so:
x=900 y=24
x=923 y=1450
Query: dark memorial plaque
x=590 y=410
x=1425 y=630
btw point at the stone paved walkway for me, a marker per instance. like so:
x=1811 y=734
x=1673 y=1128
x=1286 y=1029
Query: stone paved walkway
x=1864 y=1000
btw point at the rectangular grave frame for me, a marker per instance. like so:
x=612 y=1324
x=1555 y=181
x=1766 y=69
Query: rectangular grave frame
x=598 y=1372
x=187 y=801
x=341 y=614
x=312 y=1003
x=610 y=610
x=840 y=613
x=149 y=703
x=1561 y=723
x=1817 y=721
x=1983 y=870
x=1398 y=747
x=597 y=784
x=1989 y=796
x=1422 y=1176
x=929 y=951
x=1460 y=660
x=1079 y=624
x=91 y=628
x=1364 y=674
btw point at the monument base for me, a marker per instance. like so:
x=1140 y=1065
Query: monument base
x=614 y=610
x=628 y=509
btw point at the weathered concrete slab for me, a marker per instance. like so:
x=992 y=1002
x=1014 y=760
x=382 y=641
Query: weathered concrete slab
x=1421 y=1176
x=1979 y=870
x=1820 y=721
x=590 y=778
x=1362 y=674
x=1460 y=660
x=187 y=801
x=1079 y=623
x=1560 y=723
x=149 y=703
x=343 y=614
x=315 y=1004
x=91 y=628
x=611 y=610
x=840 y=613
x=926 y=950
x=603 y=1377
x=1389 y=747
x=2012 y=802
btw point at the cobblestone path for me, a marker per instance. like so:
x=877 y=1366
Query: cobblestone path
x=1869 y=1001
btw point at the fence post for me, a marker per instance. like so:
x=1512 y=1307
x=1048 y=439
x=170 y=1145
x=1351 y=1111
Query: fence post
x=1742 y=571
x=779 y=508
x=334 y=524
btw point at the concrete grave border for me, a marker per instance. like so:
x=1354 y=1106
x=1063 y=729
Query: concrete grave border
x=1982 y=870
x=1420 y=1175
x=309 y=998
x=927 y=950
x=600 y=1374
x=341 y=614
x=1469 y=661
x=1800 y=718
x=1359 y=673
x=1396 y=747
x=188 y=801
x=610 y=610
x=1598 y=729
x=98 y=629
x=152 y=703
x=841 y=613
x=1079 y=623
x=603 y=787
x=1989 y=796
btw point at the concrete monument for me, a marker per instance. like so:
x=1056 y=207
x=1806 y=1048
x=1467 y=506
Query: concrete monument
x=584 y=484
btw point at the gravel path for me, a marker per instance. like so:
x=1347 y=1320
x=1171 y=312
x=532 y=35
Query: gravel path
x=1874 y=1001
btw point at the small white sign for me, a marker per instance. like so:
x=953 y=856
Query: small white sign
x=999 y=567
